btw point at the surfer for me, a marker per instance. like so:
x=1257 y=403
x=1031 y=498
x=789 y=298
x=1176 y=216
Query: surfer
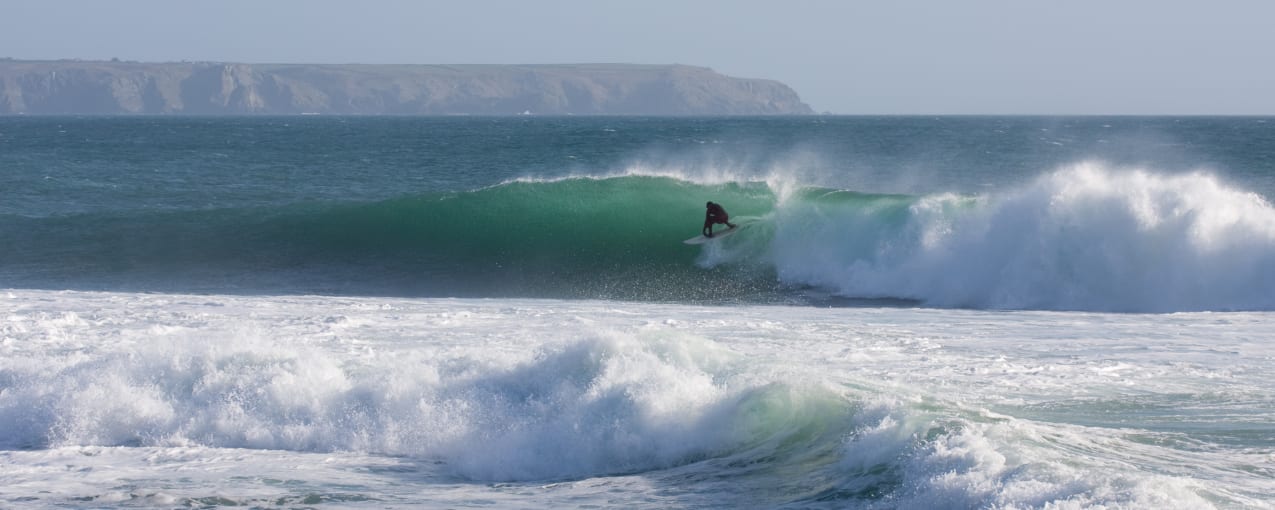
x=715 y=215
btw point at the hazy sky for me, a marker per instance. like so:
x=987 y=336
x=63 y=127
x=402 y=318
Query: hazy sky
x=850 y=57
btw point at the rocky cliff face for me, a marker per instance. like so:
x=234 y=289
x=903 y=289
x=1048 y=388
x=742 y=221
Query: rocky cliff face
x=78 y=87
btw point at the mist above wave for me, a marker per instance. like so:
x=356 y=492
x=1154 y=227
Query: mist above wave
x=1087 y=237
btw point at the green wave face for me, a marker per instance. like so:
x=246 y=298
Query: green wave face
x=605 y=238
x=612 y=238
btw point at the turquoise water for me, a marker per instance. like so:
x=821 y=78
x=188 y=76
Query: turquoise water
x=848 y=209
x=956 y=312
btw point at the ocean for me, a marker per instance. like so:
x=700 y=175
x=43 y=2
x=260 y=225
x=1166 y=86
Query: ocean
x=457 y=312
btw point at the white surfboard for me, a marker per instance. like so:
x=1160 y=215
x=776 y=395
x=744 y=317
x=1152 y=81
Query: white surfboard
x=716 y=235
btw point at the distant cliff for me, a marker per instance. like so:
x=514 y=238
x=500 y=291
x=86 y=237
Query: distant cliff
x=206 y=88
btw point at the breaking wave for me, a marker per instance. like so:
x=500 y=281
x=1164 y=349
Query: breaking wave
x=1088 y=237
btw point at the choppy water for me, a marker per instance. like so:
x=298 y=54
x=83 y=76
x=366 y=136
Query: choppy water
x=177 y=400
x=387 y=312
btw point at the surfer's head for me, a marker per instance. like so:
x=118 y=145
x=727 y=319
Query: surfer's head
x=709 y=204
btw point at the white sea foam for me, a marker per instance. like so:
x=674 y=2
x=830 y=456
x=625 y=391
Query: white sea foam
x=1088 y=237
x=544 y=403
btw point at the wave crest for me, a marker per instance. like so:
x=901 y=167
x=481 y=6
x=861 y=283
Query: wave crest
x=1086 y=238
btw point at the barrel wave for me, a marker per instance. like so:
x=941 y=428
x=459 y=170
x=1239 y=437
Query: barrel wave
x=1086 y=237
x=567 y=238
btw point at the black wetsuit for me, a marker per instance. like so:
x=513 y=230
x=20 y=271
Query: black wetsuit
x=715 y=215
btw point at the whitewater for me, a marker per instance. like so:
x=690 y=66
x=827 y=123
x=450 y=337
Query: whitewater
x=395 y=312
x=175 y=400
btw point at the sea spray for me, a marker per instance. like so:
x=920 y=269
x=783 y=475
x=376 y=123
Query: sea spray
x=1086 y=237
